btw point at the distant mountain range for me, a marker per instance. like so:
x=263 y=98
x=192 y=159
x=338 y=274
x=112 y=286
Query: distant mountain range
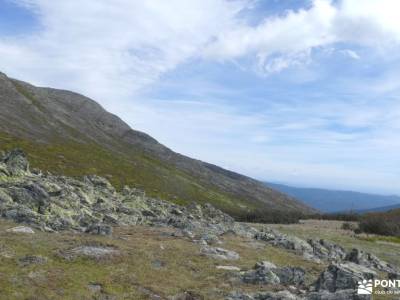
x=70 y=134
x=339 y=201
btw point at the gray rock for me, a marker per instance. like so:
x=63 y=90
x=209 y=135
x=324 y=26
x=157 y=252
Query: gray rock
x=32 y=260
x=343 y=276
x=97 y=252
x=21 y=229
x=16 y=162
x=100 y=229
x=219 y=253
x=263 y=273
x=366 y=259
x=326 y=250
x=290 y=275
x=228 y=268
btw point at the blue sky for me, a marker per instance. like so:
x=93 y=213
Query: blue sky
x=299 y=92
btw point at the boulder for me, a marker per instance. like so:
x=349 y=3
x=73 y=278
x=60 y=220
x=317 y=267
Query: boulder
x=90 y=251
x=100 y=229
x=32 y=260
x=326 y=250
x=369 y=260
x=290 y=275
x=342 y=277
x=219 y=253
x=21 y=229
x=16 y=162
x=228 y=268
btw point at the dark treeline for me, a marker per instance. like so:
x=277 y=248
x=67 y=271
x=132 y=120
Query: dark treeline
x=382 y=223
x=281 y=217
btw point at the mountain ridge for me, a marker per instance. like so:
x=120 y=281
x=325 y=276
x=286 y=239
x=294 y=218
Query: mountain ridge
x=337 y=200
x=67 y=133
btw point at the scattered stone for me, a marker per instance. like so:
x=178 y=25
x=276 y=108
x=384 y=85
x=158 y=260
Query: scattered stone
x=21 y=229
x=228 y=268
x=95 y=288
x=157 y=264
x=219 y=253
x=32 y=260
x=263 y=273
x=96 y=252
x=189 y=295
x=100 y=229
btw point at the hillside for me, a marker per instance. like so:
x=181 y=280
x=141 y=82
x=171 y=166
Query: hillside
x=380 y=209
x=337 y=201
x=82 y=239
x=67 y=133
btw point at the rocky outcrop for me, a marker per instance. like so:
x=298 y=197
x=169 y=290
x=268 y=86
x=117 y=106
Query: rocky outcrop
x=44 y=117
x=266 y=272
x=54 y=203
x=92 y=205
x=343 y=276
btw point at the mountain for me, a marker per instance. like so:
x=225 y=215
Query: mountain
x=379 y=209
x=70 y=134
x=336 y=201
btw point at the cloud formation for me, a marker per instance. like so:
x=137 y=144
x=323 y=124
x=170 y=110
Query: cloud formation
x=307 y=95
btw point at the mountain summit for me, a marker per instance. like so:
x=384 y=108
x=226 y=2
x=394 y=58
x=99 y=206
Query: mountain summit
x=67 y=133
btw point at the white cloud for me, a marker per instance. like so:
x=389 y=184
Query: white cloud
x=373 y=23
x=115 y=51
x=101 y=47
x=350 y=53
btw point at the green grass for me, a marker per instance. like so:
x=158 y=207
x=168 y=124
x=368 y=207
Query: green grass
x=379 y=238
x=136 y=169
x=386 y=248
x=27 y=94
x=126 y=276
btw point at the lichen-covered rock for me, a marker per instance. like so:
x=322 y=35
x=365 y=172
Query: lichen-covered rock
x=55 y=203
x=326 y=250
x=266 y=272
x=369 y=260
x=21 y=229
x=342 y=277
x=90 y=251
x=16 y=162
x=290 y=275
x=219 y=253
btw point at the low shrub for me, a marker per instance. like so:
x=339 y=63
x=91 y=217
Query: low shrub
x=270 y=216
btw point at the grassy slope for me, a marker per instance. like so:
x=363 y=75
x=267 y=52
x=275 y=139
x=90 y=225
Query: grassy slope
x=157 y=178
x=131 y=274
x=383 y=247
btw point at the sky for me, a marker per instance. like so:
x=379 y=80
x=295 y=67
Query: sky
x=301 y=92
